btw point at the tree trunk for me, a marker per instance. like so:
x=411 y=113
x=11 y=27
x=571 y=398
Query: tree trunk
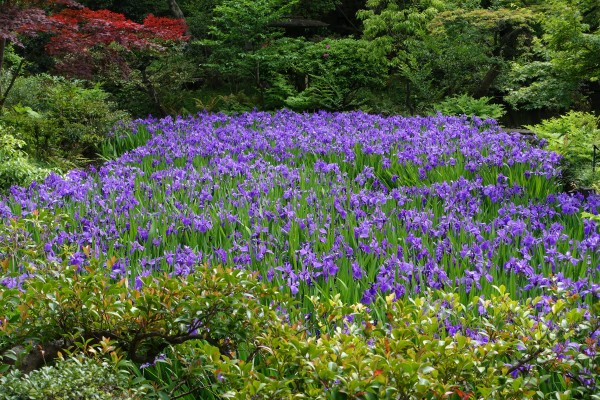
x=175 y=9
x=152 y=93
x=2 y=49
x=506 y=49
x=487 y=81
x=4 y=95
x=177 y=13
x=409 y=104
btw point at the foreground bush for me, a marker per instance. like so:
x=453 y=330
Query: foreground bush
x=217 y=334
x=64 y=307
x=69 y=379
x=427 y=348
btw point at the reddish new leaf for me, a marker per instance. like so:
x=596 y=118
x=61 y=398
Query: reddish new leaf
x=76 y=31
x=166 y=28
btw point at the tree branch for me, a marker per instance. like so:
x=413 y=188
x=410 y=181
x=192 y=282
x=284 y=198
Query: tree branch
x=525 y=360
x=10 y=85
x=133 y=355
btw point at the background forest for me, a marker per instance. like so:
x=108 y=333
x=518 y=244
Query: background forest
x=68 y=73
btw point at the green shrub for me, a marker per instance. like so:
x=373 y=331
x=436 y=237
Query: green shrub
x=333 y=74
x=337 y=75
x=431 y=347
x=60 y=119
x=573 y=136
x=161 y=87
x=68 y=379
x=15 y=167
x=213 y=308
x=144 y=317
x=219 y=333
x=227 y=103
x=469 y=106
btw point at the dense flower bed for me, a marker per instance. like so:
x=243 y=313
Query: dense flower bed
x=348 y=202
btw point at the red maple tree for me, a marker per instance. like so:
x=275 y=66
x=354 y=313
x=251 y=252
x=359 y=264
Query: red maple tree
x=88 y=43
x=84 y=41
x=79 y=30
x=24 y=17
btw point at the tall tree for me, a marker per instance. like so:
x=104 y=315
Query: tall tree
x=497 y=36
x=239 y=29
x=178 y=14
x=401 y=27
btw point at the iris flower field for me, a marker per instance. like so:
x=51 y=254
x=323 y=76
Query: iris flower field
x=364 y=209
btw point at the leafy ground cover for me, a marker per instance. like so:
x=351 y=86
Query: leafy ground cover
x=367 y=223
